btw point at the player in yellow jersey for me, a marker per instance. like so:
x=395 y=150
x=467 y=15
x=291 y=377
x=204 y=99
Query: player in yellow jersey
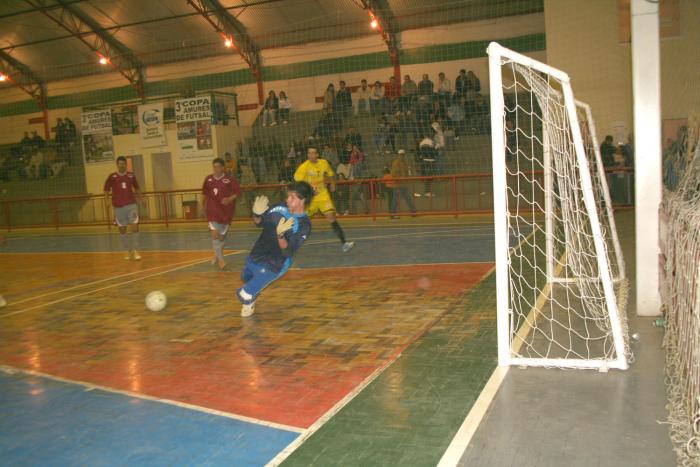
x=318 y=173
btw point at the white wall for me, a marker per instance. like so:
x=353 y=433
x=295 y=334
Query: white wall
x=583 y=42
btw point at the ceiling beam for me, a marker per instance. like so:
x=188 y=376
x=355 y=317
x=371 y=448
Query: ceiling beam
x=388 y=28
x=88 y=31
x=231 y=29
x=22 y=76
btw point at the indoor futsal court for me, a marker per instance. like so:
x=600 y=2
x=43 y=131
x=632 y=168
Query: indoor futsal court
x=350 y=233
x=86 y=365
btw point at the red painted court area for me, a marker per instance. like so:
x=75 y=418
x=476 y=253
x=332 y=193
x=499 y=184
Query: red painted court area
x=316 y=335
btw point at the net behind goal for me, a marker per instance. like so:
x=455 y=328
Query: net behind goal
x=560 y=274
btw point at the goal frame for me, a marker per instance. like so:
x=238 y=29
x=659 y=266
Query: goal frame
x=506 y=355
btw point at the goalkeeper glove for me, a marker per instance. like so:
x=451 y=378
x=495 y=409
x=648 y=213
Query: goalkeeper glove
x=284 y=225
x=260 y=205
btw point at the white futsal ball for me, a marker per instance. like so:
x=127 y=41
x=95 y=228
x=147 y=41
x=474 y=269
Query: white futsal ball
x=156 y=300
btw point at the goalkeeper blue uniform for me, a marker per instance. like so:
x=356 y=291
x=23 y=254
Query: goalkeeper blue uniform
x=268 y=262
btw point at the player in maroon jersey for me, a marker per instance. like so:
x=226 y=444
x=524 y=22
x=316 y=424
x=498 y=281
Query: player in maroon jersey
x=220 y=191
x=124 y=189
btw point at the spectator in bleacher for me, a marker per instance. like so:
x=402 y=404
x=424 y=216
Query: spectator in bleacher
x=54 y=162
x=330 y=154
x=353 y=137
x=628 y=151
x=444 y=90
x=461 y=84
x=424 y=110
x=327 y=125
x=428 y=158
x=607 y=151
x=36 y=165
x=399 y=169
x=456 y=115
x=284 y=105
x=61 y=136
x=473 y=86
x=71 y=133
x=270 y=109
x=247 y=180
x=409 y=91
x=380 y=137
x=362 y=97
x=482 y=114
x=26 y=143
x=342 y=191
x=439 y=140
x=359 y=192
x=404 y=128
x=38 y=142
x=329 y=98
x=438 y=111
x=376 y=102
x=292 y=155
x=426 y=87
x=343 y=100
x=391 y=94
x=231 y=165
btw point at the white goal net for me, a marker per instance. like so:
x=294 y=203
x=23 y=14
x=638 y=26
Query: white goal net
x=560 y=274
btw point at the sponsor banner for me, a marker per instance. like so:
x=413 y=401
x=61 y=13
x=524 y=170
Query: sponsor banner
x=151 y=125
x=194 y=133
x=96 y=136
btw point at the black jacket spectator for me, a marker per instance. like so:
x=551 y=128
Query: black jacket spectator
x=425 y=87
x=607 y=151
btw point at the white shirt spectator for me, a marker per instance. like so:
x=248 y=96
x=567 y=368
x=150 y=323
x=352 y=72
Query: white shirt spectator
x=444 y=86
x=363 y=94
x=377 y=92
x=285 y=103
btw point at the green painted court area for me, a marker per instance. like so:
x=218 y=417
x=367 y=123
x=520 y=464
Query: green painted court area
x=409 y=414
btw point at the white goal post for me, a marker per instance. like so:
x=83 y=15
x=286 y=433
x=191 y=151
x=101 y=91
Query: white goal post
x=558 y=258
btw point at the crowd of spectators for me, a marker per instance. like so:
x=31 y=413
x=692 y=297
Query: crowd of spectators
x=35 y=157
x=423 y=119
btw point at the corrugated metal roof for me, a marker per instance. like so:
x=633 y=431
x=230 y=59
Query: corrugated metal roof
x=162 y=31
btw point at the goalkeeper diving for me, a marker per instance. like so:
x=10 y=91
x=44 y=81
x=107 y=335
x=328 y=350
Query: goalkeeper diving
x=285 y=227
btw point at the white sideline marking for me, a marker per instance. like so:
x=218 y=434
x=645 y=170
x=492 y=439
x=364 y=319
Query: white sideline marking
x=111 y=286
x=464 y=435
x=90 y=387
x=466 y=431
x=291 y=447
x=15 y=302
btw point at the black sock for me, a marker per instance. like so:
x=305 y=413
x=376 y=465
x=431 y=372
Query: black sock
x=338 y=231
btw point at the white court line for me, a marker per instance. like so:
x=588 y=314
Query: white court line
x=89 y=387
x=466 y=431
x=19 y=233
x=103 y=252
x=463 y=437
x=279 y=458
x=395 y=266
x=191 y=263
x=409 y=234
x=294 y=445
x=15 y=302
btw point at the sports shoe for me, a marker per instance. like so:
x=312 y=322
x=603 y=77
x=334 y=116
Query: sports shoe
x=273 y=123
x=264 y=124
x=3 y=302
x=417 y=195
x=247 y=310
x=127 y=255
x=136 y=255
x=284 y=122
x=429 y=194
x=347 y=246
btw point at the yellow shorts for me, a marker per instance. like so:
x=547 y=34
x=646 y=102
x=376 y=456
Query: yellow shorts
x=322 y=203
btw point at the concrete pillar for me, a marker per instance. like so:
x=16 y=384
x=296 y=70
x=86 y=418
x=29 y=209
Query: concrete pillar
x=647 y=144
